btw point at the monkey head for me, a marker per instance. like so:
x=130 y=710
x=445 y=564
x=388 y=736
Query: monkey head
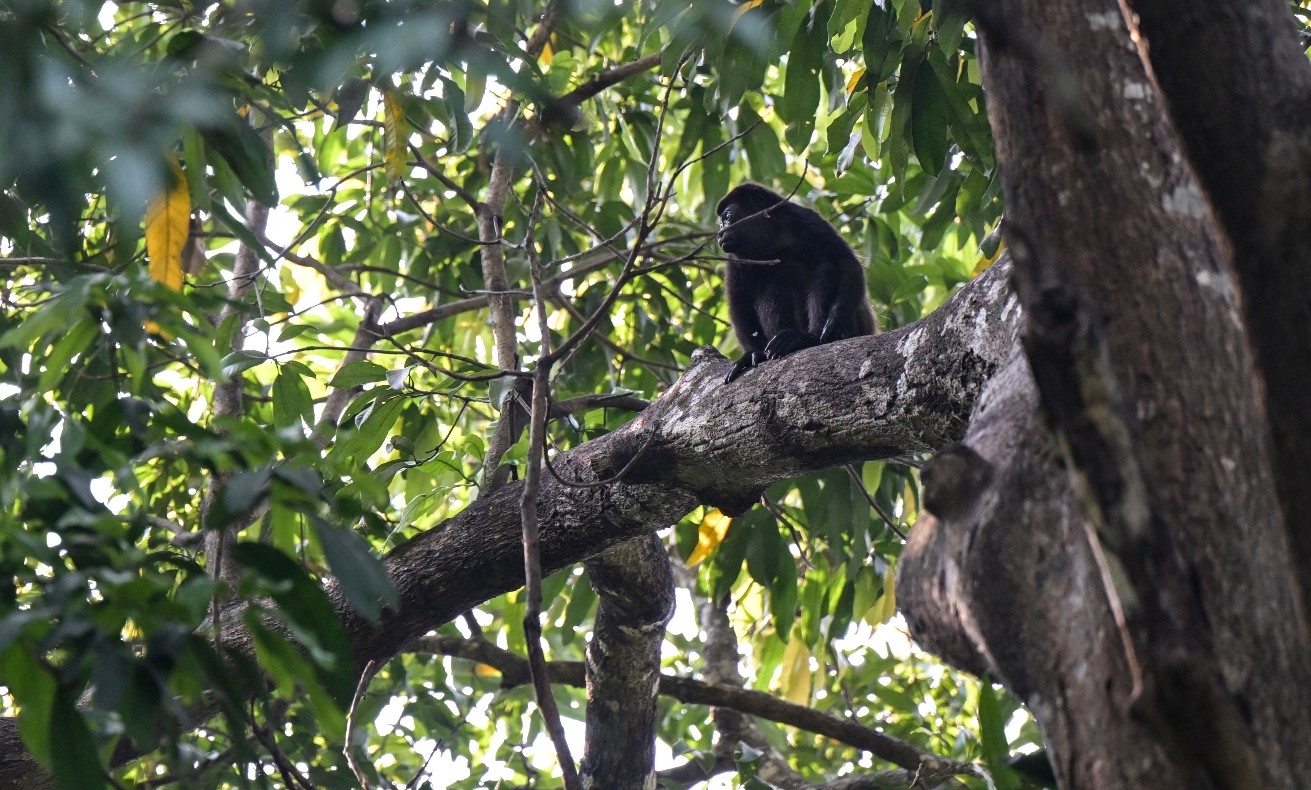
x=743 y=230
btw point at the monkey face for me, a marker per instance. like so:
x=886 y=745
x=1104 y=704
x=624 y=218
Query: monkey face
x=748 y=222
x=739 y=237
x=728 y=234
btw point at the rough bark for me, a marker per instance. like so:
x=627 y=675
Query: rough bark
x=635 y=586
x=1256 y=167
x=1013 y=576
x=906 y=391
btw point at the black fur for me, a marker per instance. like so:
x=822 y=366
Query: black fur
x=814 y=294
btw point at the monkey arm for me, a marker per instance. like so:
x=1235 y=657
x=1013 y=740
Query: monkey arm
x=746 y=322
x=825 y=307
x=843 y=312
x=830 y=301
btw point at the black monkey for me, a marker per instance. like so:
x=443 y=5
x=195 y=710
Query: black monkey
x=814 y=293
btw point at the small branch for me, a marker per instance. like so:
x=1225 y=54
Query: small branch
x=514 y=672
x=550 y=18
x=532 y=619
x=616 y=477
x=330 y=273
x=883 y=514
x=581 y=403
x=290 y=776
x=445 y=180
x=365 y=338
x=363 y=686
x=608 y=78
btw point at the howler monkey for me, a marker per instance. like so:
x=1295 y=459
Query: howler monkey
x=813 y=291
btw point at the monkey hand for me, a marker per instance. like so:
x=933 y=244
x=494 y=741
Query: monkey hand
x=788 y=341
x=748 y=361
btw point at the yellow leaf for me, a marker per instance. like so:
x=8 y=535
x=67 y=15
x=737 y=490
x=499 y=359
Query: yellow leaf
x=886 y=606
x=851 y=83
x=985 y=261
x=795 y=680
x=393 y=124
x=890 y=588
x=548 y=54
x=709 y=535
x=168 y=223
x=741 y=11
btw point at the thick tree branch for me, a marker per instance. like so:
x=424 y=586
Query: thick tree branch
x=902 y=392
x=907 y=391
x=1143 y=572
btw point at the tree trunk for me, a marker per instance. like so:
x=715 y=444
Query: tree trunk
x=1119 y=562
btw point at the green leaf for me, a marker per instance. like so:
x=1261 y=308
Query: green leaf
x=246 y=153
x=291 y=399
x=928 y=120
x=992 y=736
x=764 y=149
x=764 y=553
x=582 y=602
x=184 y=43
x=740 y=69
x=373 y=425
x=360 y=574
x=305 y=608
x=881 y=43
x=396 y=378
x=726 y=563
x=56 y=363
x=34 y=690
x=51 y=317
x=76 y=766
x=239 y=362
x=969 y=128
x=287 y=667
x=694 y=128
x=801 y=80
x=714 y=168
x=353 y=374
x=783 y=597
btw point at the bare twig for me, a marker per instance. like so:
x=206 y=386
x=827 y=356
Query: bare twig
x=514 y=672
x=290 y=775
x=883 y=514
x=562 y=408
x=365 y=677
x=532 y=619
x=609 y=77
x=599 y=483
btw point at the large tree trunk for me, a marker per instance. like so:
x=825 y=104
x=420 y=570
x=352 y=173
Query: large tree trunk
x=1120 y=561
